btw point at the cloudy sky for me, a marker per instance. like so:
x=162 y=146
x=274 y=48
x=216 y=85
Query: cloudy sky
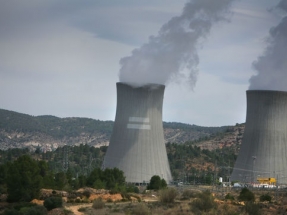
x=62 y=58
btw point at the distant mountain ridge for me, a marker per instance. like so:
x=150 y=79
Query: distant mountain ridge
x=18 y=130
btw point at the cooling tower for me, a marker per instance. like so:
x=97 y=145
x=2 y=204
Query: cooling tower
x=263 y=152
x=137 y=142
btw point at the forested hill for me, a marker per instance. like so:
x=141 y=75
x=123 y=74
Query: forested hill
x=18 y=130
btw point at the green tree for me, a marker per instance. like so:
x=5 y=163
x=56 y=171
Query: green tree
x=95 y=175
x=246 y=195
x=163 y=183
x=114 y=178
x=156 y=183
x=3 y=173
x=53 y=202
x=60 y=180
x=265 y=197
x=23 y=180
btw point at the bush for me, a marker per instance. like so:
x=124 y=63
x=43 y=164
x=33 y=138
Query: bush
x=187 y=194
x=226 y=209
x=53 y=202
x=203 y=203
x=252 y=209
x=246 y=195
x=167 y=195
x=36 y=210
x=136 y=189
x=229 y=197
x=265 y=197
x=109 y=200
x=11 y=212
x=29 y=210
x=82 y=209
x=21 y=205
x=87 y=193
x=130 y=188
x=98 y=204
x=140 y=209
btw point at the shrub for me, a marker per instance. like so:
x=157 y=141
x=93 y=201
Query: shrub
x=246 y=195
x=265 y=197
x=109 y=200
x=203 y=203
x=136 y=189
x=20 y=205
x=140 y=209
x=82 y=209
x=187 y=194
x=252 y=209
x=137 y=197
x=67 y=212
x=29 y=210
x=130 y=188
x=53 y=202
x=226 y=209
x=229 y=197
x=126 y=196
x=87 y=193
x=167 y=195
x=11 y=212
x=98 y=204
x=36 y=210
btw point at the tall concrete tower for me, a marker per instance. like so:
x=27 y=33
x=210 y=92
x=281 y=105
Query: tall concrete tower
x=137 y=143
x=263 y=152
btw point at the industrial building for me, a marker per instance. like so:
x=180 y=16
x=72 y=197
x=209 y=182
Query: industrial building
x=263 y=152
x=137 y=142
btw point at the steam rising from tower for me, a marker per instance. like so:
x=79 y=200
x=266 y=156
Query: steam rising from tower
x=137 y=143
x=172 y=54
x=272 y=65
x=264 y=147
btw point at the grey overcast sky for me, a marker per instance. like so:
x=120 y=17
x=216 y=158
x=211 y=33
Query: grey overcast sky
x=62 y=58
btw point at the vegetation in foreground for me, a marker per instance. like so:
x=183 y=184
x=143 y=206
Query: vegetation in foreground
x=193 y=202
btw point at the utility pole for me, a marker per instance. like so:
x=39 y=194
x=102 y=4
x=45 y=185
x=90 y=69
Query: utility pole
x=65 y=158
x=253 y=176
x=276 y=196
x=215 y=173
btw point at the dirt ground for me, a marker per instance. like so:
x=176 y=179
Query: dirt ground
x=150 y=201
x=81 y=204
x=75 y=208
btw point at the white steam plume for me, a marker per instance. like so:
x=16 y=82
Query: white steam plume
x=173 y=51
x=272 y=66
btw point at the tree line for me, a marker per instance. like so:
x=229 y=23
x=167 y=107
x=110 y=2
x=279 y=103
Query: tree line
x=187 y=162
x=23 y=178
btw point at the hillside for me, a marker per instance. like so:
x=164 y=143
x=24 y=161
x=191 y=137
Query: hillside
x=195 y=153
x=207 y=157
x=19 y=130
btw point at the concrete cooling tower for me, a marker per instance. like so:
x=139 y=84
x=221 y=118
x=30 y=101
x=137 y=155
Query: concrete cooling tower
x=137 y=142
x=263 y=152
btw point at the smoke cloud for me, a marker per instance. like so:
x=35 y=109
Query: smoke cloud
x=172 y=54
x=271 y=67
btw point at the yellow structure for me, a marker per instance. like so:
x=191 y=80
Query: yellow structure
x=270 y=181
